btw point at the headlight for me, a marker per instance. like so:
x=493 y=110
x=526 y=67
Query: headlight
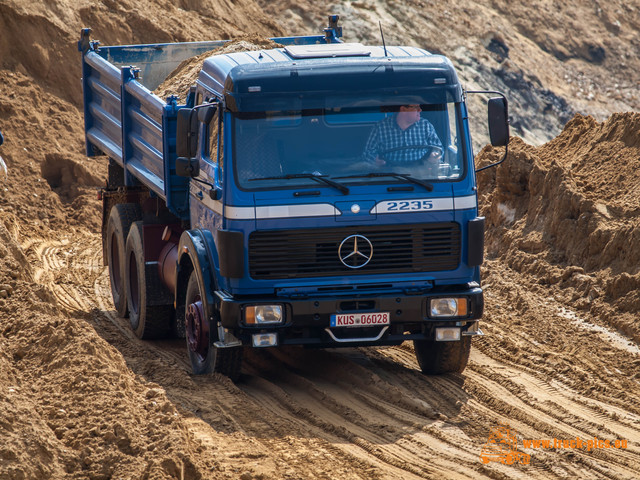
x=263 y=314
x=448 y=307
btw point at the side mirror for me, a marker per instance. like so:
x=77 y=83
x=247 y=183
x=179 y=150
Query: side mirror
x=205 y=114
x=187 y=133
x=498 y=121
x=187 y=167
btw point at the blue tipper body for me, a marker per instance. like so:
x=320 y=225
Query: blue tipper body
x=287 y=241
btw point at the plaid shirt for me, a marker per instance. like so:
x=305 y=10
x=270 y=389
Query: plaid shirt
x=387 y=139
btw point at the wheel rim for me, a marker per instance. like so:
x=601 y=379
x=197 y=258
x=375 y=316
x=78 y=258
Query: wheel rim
x=197 y=328
x=133 y=284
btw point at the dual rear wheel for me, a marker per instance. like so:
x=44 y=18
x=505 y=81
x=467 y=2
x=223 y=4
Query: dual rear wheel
x=135 y=288
x=138 y=294
x=150 y=315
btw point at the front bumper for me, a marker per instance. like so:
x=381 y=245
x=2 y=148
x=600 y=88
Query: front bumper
x=307 y=319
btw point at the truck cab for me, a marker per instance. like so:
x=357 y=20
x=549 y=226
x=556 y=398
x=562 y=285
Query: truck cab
x=319 y=245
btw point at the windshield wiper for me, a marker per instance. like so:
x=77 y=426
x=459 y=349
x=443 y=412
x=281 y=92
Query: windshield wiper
x=403 y=176
x=316 y=177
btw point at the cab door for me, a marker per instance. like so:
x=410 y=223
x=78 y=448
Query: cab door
x=206 y=188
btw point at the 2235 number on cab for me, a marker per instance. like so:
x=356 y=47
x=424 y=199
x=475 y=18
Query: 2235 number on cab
x=409 y=205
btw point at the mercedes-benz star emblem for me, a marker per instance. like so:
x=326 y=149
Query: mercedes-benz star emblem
x=355 y=251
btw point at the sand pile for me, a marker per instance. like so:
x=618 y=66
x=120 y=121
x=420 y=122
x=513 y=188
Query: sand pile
x=186 y=74
x=567 y=213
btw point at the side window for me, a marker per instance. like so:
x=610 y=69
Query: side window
x=212 y=152
x=453 y=148
x=214 y=133
x=453 y=127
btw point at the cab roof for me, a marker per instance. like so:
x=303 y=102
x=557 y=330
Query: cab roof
x=340 y=74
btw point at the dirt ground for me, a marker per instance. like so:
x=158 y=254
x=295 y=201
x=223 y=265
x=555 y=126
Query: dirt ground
x=82 y=398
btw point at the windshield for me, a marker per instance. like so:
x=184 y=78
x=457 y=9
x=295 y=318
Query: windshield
x=413 y=143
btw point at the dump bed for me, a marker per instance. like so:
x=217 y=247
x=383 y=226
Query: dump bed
x=127 y=122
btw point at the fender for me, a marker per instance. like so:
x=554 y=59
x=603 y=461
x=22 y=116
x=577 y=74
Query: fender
x=199 y=246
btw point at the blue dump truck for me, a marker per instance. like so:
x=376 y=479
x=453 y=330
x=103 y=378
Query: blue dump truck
x=320 y=194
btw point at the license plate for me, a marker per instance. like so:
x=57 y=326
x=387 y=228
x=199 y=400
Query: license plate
x=360 y=319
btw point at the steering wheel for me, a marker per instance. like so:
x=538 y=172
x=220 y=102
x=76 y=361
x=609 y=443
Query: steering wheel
x=431 y=150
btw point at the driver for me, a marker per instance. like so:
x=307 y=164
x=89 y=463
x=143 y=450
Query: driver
x=403 y=139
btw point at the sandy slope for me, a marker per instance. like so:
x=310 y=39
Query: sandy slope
x=81 y=397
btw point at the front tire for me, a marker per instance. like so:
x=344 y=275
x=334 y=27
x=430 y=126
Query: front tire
x=201 y=335
x=436 y=358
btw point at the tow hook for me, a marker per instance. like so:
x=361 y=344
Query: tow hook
x=473 y=331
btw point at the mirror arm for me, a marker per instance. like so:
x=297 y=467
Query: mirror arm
x=506 y=152
x=486 y=91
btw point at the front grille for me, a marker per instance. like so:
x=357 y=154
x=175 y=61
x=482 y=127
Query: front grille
x=314 y=252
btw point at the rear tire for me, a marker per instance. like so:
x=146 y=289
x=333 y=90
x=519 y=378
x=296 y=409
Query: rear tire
x=120 y=219
x=205 y=357
x=147 y=319
x=436 y=358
